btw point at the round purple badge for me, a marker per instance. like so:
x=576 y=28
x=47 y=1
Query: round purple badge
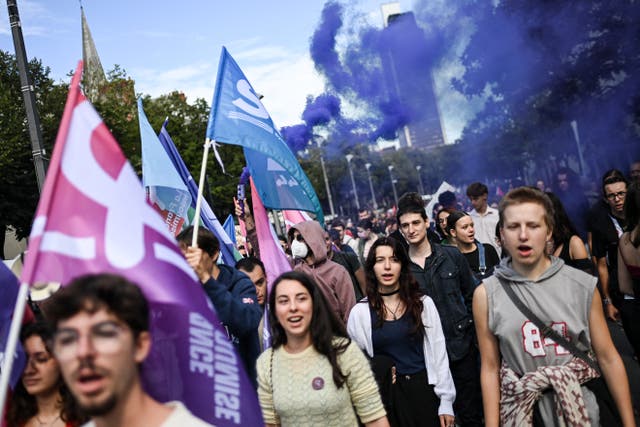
x=317 y=383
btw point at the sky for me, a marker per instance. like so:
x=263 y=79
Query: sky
x=166 y=46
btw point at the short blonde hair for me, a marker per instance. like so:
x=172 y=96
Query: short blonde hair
x=521 y=195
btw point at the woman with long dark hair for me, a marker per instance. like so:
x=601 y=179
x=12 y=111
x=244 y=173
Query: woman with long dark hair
x=565 y=242
x=313 y=374
x=41 y=398
x=397 y=322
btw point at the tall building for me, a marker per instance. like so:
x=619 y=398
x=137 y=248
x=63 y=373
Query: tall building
x=409 y=78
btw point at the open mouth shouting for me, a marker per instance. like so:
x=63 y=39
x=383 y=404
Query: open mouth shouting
x=525 y=250
x=89 y=382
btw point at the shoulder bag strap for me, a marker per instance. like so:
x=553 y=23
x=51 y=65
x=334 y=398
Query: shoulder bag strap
x=481 y=258
x=545 y=330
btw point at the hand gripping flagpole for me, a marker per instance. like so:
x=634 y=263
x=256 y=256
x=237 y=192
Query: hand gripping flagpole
x=196 y=215
x=12 y=343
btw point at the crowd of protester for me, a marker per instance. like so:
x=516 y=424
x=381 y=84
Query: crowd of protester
x=492 y=309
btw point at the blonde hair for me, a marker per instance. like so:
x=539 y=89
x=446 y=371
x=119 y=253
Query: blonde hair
x=520 y=195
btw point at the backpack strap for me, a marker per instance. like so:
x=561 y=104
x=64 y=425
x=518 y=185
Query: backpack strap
x=481 y=258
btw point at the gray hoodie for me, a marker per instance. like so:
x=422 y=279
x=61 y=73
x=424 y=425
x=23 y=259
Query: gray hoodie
x=332 y=278
x=561 y=297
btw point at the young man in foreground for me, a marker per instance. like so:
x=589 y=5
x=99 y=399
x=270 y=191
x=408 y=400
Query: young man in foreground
x=565 y=299
x=101 y=338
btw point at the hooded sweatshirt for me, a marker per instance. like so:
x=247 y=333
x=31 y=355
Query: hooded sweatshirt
x=561 y=297
x=332 y=278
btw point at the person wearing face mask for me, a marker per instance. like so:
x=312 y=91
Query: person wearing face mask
x=309 y=250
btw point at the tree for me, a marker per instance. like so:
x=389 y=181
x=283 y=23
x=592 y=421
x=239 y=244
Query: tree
x=116 y=104
x=546 y=64
x=187 y=126
x=19 y=196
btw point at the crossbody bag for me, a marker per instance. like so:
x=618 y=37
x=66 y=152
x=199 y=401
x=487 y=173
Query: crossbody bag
x=609 y=415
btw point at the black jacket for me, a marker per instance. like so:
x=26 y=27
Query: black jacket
x=447 y=279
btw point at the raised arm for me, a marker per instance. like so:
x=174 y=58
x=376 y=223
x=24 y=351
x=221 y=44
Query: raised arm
x=250 y=225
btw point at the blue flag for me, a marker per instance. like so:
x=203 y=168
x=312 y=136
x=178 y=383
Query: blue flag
x=8 y=294
x=230 y=227
x=165 y=190
x=238 y=117
x=227 y=249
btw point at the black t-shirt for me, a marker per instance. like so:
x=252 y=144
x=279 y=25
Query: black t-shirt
x=491 y=259
x=604 y=234
x=395 y=340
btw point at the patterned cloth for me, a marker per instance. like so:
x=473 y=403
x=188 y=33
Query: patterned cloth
x=518 y=395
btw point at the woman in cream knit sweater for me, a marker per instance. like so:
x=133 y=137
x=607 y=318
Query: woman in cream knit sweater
x=313 y=375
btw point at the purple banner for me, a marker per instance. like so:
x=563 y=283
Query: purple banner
x=92 y=217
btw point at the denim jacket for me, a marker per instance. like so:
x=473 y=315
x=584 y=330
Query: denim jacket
x=447 y=279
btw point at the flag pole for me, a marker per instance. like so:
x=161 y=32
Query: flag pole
x=12 y=343
x=203 y=171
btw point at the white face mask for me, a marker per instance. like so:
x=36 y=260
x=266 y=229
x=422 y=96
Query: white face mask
x=299 y=249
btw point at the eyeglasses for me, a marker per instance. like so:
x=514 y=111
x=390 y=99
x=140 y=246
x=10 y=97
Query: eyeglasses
x=105 y=338
x=618 y=195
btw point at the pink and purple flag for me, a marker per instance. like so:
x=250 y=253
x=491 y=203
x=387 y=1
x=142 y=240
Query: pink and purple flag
x=93 y=217
x=270 y=250
x=292 y=218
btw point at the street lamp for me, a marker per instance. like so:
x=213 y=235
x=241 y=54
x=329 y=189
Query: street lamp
x=326 y=179
x=421 y=187
x=393 y=184
x=353 y=182
x=373 y=196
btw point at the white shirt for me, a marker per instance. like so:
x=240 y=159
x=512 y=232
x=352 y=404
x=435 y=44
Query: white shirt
x=180 y=417
x=485 y=226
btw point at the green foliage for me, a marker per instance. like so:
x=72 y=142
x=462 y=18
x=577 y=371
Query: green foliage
x=550 y=63
x=19 y=196
x=187 y=126
x=116 y=104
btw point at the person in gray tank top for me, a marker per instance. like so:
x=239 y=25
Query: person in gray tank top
x=517 y=361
